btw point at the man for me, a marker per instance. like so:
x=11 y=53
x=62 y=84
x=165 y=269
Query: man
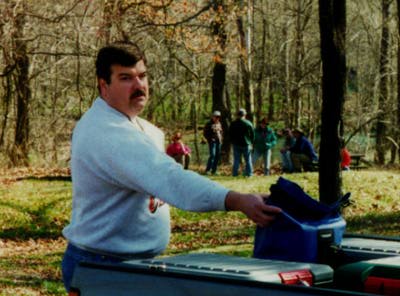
x=119 y=171
x=265 y=139
x=302 y=152
x=213 y=134
x=241 y=133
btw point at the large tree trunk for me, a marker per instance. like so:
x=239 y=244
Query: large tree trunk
x=381 y=129
x=219 y=77
x=19 y=152
x=332 y=23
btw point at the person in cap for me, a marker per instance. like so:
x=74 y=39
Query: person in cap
x=241 y=133
x=122 y=179
x=265 y=139
x=179 y=151
x=302 y=152
x=213 y=133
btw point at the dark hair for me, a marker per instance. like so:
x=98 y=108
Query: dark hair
x=119 y=53
x=264 y=120
x=177 y=136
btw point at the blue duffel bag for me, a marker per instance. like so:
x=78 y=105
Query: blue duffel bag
x=304 y=229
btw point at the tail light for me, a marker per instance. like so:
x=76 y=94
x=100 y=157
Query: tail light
x=297 y=277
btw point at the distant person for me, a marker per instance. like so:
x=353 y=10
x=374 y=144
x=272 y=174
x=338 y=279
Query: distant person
x=302 y=153
x=241 y=133
x=122 y=179
x=179 y=151
x=213 y=133
x=265 y=139
x=345 y=157
x=289 y=141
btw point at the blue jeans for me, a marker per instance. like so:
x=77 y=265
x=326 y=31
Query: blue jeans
x=266 y=155
x=287 y=165
x=74 y=255
x=238 y=152
x=213 y=159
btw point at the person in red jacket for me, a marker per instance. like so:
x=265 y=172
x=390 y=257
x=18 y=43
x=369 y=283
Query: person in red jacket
x=345 y=156
x=179 y=151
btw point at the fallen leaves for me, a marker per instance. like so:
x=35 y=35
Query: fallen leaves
x=15 y=247
x=9 y=176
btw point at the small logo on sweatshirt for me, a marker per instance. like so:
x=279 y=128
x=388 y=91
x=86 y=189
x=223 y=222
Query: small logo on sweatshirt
x=154 y=203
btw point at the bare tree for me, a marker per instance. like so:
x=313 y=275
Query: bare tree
x=245 y=60
x=20 y=149
x=397 y=136
x=381 y=128
x=219 y=73
x=6 y=74
x=333 y=35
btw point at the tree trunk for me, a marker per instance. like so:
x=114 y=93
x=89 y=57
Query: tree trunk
x=195 y=121
x=107 y=21
x=258 y=92
x=7 y=98
x=332 y=24
x=245 y=65
x=397 y=131
x=219 y=76
x=295 y=95
x=287 y=100
x=19 y=152
x=381 y=128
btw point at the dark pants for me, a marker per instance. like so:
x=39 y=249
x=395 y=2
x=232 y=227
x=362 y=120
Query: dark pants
x=184 y=160
x=301 y=162
x=238 y=152
x=213 y=159
x=74 y=255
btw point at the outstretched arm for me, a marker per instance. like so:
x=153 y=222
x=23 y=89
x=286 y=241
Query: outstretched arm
x=253 y=206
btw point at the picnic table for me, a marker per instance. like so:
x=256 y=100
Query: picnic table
x=356 y=159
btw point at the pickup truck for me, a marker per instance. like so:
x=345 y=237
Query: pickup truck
x=362 y=266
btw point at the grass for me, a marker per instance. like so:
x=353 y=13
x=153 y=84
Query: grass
x=33 y=212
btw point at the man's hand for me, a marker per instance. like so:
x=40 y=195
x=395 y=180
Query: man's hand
x=253 y=206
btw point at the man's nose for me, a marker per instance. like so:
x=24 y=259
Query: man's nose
x=138 y=82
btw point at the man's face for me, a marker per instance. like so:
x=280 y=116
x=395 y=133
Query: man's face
x=128 y=91
x=215 y=118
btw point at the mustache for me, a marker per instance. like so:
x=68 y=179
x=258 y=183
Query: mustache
x=137 y=93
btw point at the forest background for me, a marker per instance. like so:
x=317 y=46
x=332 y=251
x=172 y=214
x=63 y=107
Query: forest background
x=202 y=55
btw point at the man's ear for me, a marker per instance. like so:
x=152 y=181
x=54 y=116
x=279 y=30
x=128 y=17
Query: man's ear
x=102 y=85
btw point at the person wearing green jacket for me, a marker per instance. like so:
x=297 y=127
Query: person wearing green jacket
x=265 y=139
x=241 y=133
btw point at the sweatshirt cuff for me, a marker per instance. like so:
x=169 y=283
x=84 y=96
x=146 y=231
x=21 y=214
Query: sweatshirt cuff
x=219 y=201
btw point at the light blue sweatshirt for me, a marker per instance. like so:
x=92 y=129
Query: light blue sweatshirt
x=118 y=166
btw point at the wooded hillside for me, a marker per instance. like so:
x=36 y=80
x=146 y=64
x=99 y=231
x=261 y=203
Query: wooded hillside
x=202 y=55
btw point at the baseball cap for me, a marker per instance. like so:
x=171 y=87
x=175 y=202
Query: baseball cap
x=241 y=112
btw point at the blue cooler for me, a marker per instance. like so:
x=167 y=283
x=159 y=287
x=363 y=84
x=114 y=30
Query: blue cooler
x=305 y=231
